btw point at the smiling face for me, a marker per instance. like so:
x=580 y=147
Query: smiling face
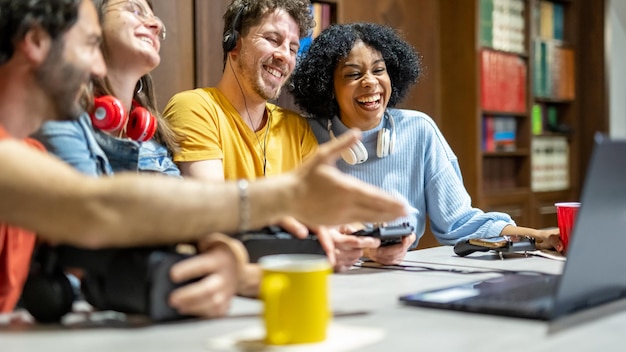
x=71 y=62
x=131 y=35
x=267 y=55
x=362 y=87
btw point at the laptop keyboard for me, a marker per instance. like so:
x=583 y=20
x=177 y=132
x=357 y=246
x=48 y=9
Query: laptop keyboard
x=524 y=293
x=526 y=297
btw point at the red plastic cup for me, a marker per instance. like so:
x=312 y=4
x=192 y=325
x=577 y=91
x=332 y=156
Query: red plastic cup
x=566 y=217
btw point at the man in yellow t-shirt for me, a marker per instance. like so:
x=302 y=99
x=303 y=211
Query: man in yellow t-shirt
x=214 y=131
x=231 y=131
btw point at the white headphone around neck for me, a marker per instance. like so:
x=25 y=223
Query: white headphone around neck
x=357 y=154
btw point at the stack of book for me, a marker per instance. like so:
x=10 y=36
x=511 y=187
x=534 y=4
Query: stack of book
x=553 y=71
x=502 y=25
x=550 y=163
x=499 y=133
x=502 y=82
x=549 y=19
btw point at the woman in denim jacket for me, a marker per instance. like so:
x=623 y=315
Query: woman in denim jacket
x=131 y=51
x=97 y=153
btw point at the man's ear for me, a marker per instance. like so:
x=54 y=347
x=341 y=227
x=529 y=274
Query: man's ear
x=36 y=45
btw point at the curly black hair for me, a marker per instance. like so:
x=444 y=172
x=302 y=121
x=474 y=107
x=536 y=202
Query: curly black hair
x=17 y=17
x=312 y=82
x=252 y=11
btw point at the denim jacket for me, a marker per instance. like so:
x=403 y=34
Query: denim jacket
x=96 y=153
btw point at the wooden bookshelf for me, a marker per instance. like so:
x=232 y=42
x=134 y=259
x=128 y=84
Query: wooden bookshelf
x=544 y=166
x=447 y=34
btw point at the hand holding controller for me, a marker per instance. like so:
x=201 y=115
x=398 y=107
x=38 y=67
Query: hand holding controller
x=388 y=235
x=275 y=240
x=501 y=245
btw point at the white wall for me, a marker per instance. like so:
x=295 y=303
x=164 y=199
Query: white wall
x=616 y=56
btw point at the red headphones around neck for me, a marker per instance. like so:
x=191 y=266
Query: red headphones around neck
x=109 y=115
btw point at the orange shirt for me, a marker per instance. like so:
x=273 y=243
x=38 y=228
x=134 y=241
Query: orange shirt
x=16 y=248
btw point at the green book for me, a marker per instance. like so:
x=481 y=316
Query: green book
x=537 y=119
x=486 y=23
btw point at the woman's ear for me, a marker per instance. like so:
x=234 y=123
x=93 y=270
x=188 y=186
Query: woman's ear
x=36 y=45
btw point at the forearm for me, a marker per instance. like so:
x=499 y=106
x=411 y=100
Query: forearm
x=511 y=230
x=45 y=195
x=132 y=210
x=67 y=207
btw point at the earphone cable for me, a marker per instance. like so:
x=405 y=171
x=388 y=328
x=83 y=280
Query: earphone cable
x=245 y=103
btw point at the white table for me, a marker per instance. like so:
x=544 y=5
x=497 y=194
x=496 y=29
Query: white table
x=366 y=298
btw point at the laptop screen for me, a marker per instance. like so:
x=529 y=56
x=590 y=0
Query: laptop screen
x=594 y=271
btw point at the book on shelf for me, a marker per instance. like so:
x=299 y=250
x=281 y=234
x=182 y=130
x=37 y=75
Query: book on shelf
x=553 y=71
x=549 y=20
x=549 y=163
x=322 y=15
x=502 y=25
x=499 y=133
x=502 y=82
x=545 y=118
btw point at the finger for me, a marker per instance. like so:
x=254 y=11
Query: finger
x=348 y=229
x=200 y=297
x=347 y=242
x=294 y=227
x=194 y=267
x=325 y=238
x=552 y=242
x=348 y=257
x=206 y=308
x=557 y=243
x=408 y=241
x=390 y=255
x=342 y=268
x=215 y=307
x=368 y=242
x=377 y=206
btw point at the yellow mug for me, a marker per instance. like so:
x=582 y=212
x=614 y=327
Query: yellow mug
x=294 y=290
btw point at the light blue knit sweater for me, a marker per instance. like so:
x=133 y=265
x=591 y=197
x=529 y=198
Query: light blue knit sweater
x=424 y=171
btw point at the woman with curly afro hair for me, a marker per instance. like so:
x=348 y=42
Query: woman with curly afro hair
x=352 y=77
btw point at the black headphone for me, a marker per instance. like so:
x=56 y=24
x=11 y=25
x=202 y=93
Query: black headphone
x=47 y=294
x=229 y=41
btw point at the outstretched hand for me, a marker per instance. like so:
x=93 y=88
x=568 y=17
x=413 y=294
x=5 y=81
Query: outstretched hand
x=324 y=195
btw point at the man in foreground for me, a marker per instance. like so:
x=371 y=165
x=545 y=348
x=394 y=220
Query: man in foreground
x=48 y=50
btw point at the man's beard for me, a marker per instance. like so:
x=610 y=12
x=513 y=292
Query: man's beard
x=62 y=81
x=254 y=77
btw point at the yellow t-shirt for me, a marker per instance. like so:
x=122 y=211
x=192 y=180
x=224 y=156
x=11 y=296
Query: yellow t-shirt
x=211 y=129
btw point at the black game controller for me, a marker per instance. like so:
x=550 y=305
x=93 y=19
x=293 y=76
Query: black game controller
x=275 y=240
x=388 y=235
x=501 y=245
